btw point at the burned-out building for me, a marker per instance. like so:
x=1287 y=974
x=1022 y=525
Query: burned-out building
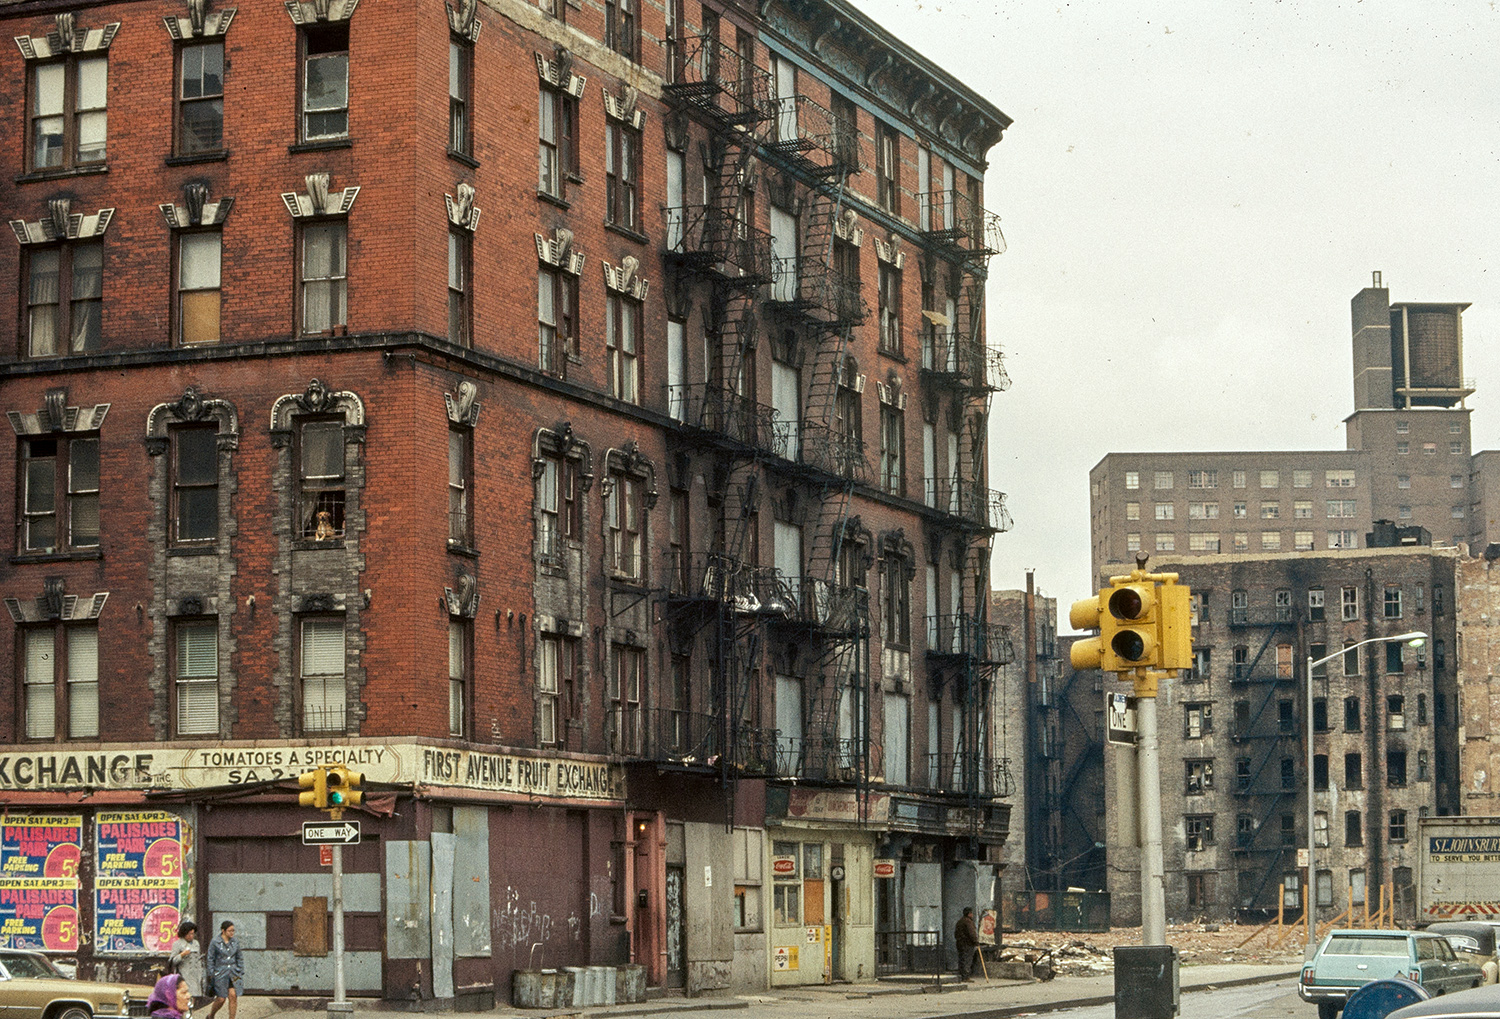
x=1234 y=729
x=572 y=416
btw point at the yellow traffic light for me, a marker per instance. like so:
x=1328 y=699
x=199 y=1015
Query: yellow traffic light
x=1087 y=653
x=1175 y=650
x=344 y=787
x=1130 y=627
x=316 y=784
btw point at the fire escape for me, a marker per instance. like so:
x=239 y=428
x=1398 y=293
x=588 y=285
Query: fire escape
x=715 y=250
x=1263 y=732
x=960 y=372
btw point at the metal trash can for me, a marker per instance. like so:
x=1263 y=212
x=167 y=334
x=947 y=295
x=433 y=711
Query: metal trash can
x=1146 y=984
x=1379 y=998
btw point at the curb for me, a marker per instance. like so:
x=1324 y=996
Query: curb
x=1007 y=1011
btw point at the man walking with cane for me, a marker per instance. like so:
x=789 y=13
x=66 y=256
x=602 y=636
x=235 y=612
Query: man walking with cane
x=966 y=937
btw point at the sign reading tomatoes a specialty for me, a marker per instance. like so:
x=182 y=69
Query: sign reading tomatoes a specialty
x=137 y=882
x=39 y=857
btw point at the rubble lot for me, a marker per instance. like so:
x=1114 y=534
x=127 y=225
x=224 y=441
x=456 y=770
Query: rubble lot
x=1068 y=953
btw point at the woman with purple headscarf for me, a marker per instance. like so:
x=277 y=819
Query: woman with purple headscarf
x=171 y=998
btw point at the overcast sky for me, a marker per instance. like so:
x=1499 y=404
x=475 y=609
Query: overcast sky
x=1192 y=192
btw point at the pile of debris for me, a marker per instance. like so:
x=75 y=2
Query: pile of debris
x=1050 y=954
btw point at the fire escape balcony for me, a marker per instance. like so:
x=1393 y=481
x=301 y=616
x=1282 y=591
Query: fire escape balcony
x=971 y=503
x=963 y=636
x=726 y=415
x=834 y=452
x=811 y=138
x=716 y=242
x=958 y=226
x=821 y=756
x=963 y=362
x=831 y=608
x=961 y=772
x=696 y=739
x=715 y=82
x=822 y=295
x=741 y=587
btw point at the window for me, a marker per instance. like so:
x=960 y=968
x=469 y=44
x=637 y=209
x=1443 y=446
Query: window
x=1320 y=714
x=198 y=265
x=1270 y=511
x=621 y=341
x=1342 y=539
x=1241 y=718
x=458 y=674
x=1395 y=712
x=1455 y=481
x=1198 y=720
x=1403 y=481
x=1200 y=775
x=1392 y=602
x=460 y=483
x=624 y=696
x=1349 y=599
x=1270 y=479
x=1270 y=541
x=1429 y=448
x=1456 y=448
x=325 y=82
x=1301 y=479
x=1203 y=511
x=559 y=510
x=1200 y=831
x=1341 y=508
x=1284 y=661
x=460 y=84
x=1302 y=509
x=197 y=678
x=1166 y=511
x=200 y=99
x=1302 y=541
x=1421 y=709
x=786 y=890
x=1132 y=511
x=1351 y=659
x=1200 y=890
x=1454 y=428
x=69 y=121
x=1316 y=652
x=1354 y=775
x=1456 y=513
x=1403 y=447
x=60 y=494
x=890 y=308
x=1356 y=877
x=1241 y=511
x=1402 y=426
x=896 y=600
x=1239 y=606
x=1241 y=662
x=747 y=879
x=1203 y=479
x=1197 y=608
x=556 y=701
x=458 y=286
x=1163 y=479
x=621 y=29
x=1339 y=479
x=195 y=486
x=1202 y=660
x=1132 y=479
x=320 y=472
x=1351 y=714
x=1422 y=773
x=623 y=516
x=1282 y=599
x=1242 y=774
x=1398 y=826
x=1288 y=774
x=1320 y=773
x=1393 y=657
x=79 y=678
x=1403 y=512
x=1133 y=542
x=1203 y=542
x=1241 y=541
x=887 y=168
x=322 y=664
x=1238 y=479
x=1166 y=543
x=892 y=445
x=325 y=279
x=557 y=141
x=1395 y=768
x=622 y=154
x=557 y=320
x=1353 y=833
x=64 y=299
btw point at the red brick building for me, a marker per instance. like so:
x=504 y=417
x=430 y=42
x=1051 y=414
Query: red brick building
x=573 y=416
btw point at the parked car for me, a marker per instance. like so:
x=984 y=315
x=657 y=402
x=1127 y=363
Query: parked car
x=1481 y=1004
x=1348 y=959
x=1474 y=941
x=32 y=988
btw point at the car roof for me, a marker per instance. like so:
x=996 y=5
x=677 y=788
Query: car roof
x=1479 y=1003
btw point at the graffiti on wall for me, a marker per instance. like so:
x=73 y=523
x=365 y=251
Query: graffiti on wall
x=39 y=882
x=521 y=925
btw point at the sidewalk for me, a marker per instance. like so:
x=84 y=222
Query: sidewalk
x=996 y=1000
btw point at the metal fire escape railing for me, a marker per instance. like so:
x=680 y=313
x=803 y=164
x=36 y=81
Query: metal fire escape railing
x=738 y=421
x=812 y=139
x=966 y=636
x=974 y=505
x=958 y=227
x=717 y=84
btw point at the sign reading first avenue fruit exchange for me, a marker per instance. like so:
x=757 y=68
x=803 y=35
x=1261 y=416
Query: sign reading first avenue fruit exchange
x=158 y=766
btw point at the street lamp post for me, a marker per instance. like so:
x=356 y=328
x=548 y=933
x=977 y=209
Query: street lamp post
x=1415 y=639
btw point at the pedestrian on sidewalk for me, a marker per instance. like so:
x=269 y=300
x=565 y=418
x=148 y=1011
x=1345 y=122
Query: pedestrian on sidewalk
x=226 y=970
x=170 y=998
x=186 y=958
x=966 y=936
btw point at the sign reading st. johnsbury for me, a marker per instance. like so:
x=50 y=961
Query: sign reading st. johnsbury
x=164 y=767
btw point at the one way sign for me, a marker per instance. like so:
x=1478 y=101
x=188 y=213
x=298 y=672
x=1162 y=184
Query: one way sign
x=325 y=833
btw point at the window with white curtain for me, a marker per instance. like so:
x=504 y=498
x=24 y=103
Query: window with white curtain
x=323 y=674
x=198 y=677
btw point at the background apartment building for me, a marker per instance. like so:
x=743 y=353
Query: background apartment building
x=1408 y=460
x=622 y=511
x=1234 y=731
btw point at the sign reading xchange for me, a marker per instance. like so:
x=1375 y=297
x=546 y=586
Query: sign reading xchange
x=164 y=767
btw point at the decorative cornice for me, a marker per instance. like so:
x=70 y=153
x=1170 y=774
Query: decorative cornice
x=313 y=12
x=67 y=37
x=197 y=210
x=200 y=22
x=61 y=223
x=462 y=212
x=319 y=200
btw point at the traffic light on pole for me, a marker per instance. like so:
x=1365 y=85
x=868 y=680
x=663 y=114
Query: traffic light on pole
x=1088 y=653
x=1131 y=629
x=315 y=783
x=344 y=787
x=1175 y=615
